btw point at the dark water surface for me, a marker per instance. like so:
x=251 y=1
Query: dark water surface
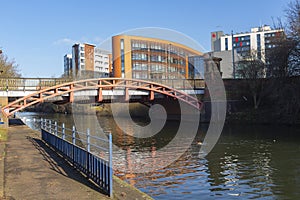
x=247 y=162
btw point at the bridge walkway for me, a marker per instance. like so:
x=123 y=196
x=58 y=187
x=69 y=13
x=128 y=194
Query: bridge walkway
x=34 y=171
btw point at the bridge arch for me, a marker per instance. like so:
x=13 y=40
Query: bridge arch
x=99 y=84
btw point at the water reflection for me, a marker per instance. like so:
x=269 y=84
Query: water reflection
x=248 y=162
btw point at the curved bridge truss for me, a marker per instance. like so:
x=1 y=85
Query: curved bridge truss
x=68 y=89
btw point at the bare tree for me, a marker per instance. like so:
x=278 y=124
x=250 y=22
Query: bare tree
x=252 y=70
x=284 y=64
x=293 y=31
x=278 y=58
x=293 y=19
x=8 y=68
x=283 y=59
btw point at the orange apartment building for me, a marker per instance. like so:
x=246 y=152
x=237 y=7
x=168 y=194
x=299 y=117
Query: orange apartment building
x=150 y=58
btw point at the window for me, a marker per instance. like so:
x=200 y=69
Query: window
x=122 y=44
x=122 y=56
x=139 y=45
x=139 y=75
x=139 y=56
x=258 y=46
x=157 y=68
x=258 y=37
x=226 y=44
x=158 y=58
x=140 y=66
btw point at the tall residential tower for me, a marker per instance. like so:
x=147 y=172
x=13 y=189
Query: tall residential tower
x=68 y=65
x=88 y=58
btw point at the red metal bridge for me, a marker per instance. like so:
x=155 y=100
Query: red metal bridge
x=99 y=86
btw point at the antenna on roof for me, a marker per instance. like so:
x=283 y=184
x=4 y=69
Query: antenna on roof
x=260 y=24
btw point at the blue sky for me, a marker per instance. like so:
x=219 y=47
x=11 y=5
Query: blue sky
x=37 y=34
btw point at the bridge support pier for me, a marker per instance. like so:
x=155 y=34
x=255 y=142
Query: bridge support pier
x=3 y=102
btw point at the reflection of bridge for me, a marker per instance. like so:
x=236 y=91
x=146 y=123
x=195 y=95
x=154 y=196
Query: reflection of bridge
x=95 y=90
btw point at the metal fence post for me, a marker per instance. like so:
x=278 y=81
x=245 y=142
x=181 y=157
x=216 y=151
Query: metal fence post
x=63 y=129
x=41 y=125
x=73 y=135
x=24 y=81
x=50 y=126
x=55 y=128
x=74 y=144
x=63 y=135
x=88 y=148
x=40 y=83
x=88 y=140
x=110 y=166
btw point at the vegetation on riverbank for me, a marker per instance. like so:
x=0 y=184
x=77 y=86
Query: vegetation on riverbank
x=262 y=116
x=48 y=107
x=3 y=134
x=275 y=99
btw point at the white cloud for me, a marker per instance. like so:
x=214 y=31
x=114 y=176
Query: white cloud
x=65 y=41
x=69 y=42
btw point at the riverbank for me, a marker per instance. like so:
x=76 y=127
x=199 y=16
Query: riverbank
x=237 y=113
x=261 y=116
x=32 y=170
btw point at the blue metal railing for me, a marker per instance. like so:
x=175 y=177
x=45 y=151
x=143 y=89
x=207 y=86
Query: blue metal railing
x=70 y=143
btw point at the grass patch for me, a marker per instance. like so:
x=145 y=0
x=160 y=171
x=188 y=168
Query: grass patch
x=3 y=134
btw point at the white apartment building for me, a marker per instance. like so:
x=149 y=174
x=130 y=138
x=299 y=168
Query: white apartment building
x=102 y=59
x=258 y=41
x=86 y=57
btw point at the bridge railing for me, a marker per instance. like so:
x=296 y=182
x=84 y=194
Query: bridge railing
x=181 y=83
x=94 y=160
x=34 y=84
x=29 y=84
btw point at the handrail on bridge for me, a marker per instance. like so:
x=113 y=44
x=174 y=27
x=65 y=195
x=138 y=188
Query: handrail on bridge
x=29 y=84
x=34 y=84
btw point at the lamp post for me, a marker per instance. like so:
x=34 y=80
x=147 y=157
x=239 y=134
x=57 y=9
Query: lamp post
x=169 y=58
x=1 y=71
x=232 y=49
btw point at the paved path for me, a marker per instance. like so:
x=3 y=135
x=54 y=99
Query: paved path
x=33 y=171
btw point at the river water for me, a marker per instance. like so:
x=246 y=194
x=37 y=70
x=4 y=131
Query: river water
x=247 y=162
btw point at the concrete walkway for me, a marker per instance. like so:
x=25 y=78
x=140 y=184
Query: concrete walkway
x=34 y=171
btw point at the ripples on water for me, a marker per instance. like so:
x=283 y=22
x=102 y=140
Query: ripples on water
x=248 y=162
